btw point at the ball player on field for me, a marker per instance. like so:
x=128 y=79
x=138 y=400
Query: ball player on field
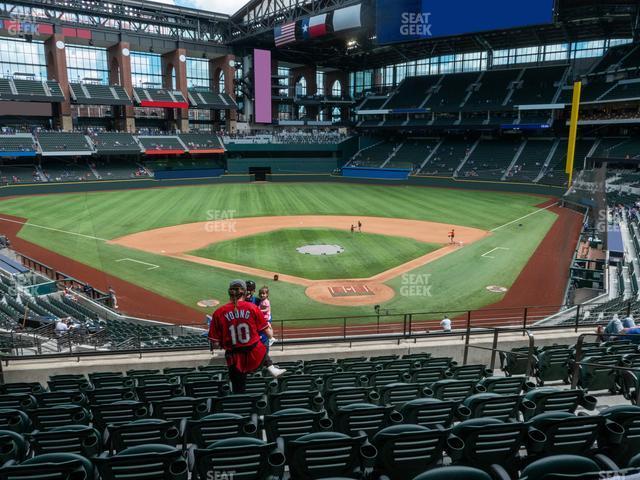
x=236 y=328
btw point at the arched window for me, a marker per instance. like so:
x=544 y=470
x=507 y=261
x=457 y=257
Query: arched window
x=302 y=112
x=301 y=87
x=221 y=84
x=336 y=115
x=323 y=115
x=336 y=89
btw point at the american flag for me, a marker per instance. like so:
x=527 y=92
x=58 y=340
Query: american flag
x=284 y=34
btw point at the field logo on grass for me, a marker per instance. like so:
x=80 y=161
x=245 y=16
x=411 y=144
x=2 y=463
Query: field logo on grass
x=220 y=221
x=414 y=285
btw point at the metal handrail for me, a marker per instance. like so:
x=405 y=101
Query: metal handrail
x=577 y=363
x=494 y=349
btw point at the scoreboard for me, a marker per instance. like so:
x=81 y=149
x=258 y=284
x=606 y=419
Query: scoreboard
x=406 y=20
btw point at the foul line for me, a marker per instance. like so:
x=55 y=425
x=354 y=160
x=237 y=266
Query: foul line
x=152 y=265
x=522 y=218
x=53 y=229
x=486 y=255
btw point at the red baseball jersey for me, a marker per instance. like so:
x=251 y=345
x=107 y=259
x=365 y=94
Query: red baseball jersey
x=237 y=327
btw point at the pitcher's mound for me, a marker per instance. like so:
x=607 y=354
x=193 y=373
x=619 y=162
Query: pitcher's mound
x=320 y=249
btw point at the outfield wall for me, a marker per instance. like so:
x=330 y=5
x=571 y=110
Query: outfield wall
x=106 y=185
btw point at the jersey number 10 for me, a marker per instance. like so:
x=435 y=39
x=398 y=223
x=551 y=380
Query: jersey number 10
x=240 y=333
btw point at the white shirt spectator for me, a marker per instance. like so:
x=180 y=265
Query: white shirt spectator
x=61 y=328
x=446 y=324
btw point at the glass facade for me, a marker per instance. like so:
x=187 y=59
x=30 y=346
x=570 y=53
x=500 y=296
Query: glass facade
x=87 y=64
x=20 y=57
x=146 y=70
x=198 y=73
x=392 y=75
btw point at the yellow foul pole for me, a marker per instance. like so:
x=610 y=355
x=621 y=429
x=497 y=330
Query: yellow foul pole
x=573 y=129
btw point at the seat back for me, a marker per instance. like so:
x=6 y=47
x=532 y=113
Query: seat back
x=553 y=365
x=18 y=401
x=70 y=382
x=52 y=466
x=628 y=417
x=356 y=418
x=308 y=399
x=454 y=390
x=107 y=395
x=341 y=397
x=15 y=421
x=218 y=426
x=118 y=413
x=397 y=448
x=59 y=416
x=295 y=422
x=141 y=432
x=469 y=372
x=80 y=439
x=12 y=447
x=113 y=382
x=384 y=377
x=430 y=412
x=493 y=405
x=60 y=397
x=327 y=454
x=199 y=388
x=503 y=385
x=299 y=382
x=31 y=388
x=340 y=380
x=449 y=473
x=156 y=393
x=144 y=462
x=600 y=377
x=397 y=394
x=567 y=433
x=550 y=399
x=241 y=404
x=427 y=376
x=157 y=379
x=240 y=457
x=557 y=466
x=179 y=408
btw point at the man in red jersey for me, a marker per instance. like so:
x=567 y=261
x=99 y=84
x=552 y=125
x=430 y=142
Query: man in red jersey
x=236 y=328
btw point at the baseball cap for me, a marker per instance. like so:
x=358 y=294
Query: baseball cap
x=251 y=285
x=238 y=284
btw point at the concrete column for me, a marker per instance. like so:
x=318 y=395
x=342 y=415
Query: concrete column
x=177 y=61
x=222 y=64
x=55 y=54
x=119 y=59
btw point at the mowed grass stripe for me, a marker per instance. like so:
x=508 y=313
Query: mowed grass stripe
x=364 y=256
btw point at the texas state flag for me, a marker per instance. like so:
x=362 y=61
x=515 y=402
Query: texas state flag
x=314 y=26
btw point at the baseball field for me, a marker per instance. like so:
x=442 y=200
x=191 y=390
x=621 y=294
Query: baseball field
x=166 y=249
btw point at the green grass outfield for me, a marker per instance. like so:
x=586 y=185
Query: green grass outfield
x=364 y=256
x=457 y=280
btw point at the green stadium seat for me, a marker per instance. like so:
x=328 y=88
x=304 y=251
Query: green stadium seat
x=178 y=409
x=427 y=375
x=12 y=447
x=193 y=387
x=340 y=397
x=50 y=399
x=628 y=417
x=118 y=413
x=456 y=390
x=52 y=466
x=80 y=439
x=241 y=404
x=493 y=405
x=454 y=473
x=15 y=421
x=433 y=413
x=294 y=422
x=309 y=399
x=469 y=372
x=59 y=416
x=156 y=393
x=553 y=365
x=594 y=378
x=219 y=426
x=299 y=382
x=377 y=379
x=142 y=432
x=357 y=418
x=144 y=462
x=505 y=385
x=31 y=388
x=106 y=395
x=242 y=457
x=549 y=399
x=333 y=381
x=20 y=401
x=317 y=455
x=397 y=394
x=559 y=467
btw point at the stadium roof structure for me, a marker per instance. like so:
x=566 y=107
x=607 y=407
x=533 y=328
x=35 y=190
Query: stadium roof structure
x=576 y=20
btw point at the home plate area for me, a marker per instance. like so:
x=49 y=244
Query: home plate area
x=350 y=291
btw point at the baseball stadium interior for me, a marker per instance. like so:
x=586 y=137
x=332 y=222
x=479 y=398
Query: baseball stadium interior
x=442 y=197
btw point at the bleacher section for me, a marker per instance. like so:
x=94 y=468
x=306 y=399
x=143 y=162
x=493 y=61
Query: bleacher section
x=611 y=60
x=211 y=100
x=30 y=90
x=624 y=90
x=492 y=90
x=451 y=92
x=621 y=148
x=19 y=145
x=89 y=94
x=63 y=144
x=448 y=157
x=531 y=160
x=412 y=92
x=162 y=145
x=202 y=143
x=374 y=156
x=116 y=143
x=159 y=98
x=490 y=159
x=22 y=173
x=538 y=86
x=69 y=171
x=555 y=172
x=413 y=153
x=372 y=103
x=117 y=168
